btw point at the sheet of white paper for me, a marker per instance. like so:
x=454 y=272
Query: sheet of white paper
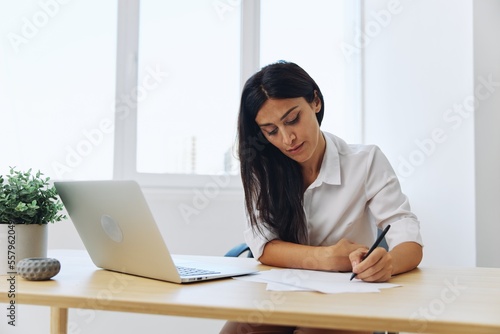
x=310 y=280
x=272 y=285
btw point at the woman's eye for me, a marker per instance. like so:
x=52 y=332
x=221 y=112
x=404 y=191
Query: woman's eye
x=293 y=121
x=270 y=133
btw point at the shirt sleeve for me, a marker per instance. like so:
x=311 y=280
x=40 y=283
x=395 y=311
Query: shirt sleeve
x=257 y=240
x=387 y=203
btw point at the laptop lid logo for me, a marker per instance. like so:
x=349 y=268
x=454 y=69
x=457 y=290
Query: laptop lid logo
x=111 y=228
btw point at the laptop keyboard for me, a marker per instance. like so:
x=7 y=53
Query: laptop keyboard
x=186 y=271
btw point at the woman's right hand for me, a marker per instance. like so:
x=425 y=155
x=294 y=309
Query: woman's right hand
x=337 y=256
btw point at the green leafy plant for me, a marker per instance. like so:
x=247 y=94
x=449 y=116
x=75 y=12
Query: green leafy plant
x=27 y=198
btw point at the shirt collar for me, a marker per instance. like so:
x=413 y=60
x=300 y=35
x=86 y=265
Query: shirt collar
x=330 y=166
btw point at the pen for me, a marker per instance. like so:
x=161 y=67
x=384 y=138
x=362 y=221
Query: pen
x=375 y=245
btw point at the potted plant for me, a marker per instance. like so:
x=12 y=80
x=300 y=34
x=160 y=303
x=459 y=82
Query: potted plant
x=27 y=204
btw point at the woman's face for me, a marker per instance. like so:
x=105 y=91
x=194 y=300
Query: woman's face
x=291 y=126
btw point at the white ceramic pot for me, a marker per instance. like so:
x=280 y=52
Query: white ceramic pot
x=21 y=241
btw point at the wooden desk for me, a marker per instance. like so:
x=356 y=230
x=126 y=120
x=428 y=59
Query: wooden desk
x=444 y=300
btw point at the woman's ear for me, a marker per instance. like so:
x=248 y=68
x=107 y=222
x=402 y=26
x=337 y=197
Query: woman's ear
x=316 y=102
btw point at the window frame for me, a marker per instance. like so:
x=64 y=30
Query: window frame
x=125 y=143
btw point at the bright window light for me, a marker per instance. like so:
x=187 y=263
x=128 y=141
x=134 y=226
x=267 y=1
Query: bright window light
x=57 y=87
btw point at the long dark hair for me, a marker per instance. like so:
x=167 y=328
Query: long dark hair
x=272 y=182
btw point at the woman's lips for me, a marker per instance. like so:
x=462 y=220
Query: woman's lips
x=295 y=149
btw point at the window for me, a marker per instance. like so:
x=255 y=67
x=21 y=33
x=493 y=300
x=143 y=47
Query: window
x=186 y=123
x=149 y=90
x=186 y=126
x=57 y=87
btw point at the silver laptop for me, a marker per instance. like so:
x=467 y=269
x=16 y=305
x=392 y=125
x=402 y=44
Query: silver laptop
x=118 y=230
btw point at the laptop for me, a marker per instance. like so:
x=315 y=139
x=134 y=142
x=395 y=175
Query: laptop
x=120 y=234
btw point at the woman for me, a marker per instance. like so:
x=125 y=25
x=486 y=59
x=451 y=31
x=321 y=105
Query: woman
x=313 y=201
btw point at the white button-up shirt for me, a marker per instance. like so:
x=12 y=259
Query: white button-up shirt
x=355 y=193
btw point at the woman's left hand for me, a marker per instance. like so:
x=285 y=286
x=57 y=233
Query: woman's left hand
x=375 y=268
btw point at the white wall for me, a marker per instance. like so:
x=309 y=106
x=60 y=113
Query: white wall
x=430 y=108
x=419 y=71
